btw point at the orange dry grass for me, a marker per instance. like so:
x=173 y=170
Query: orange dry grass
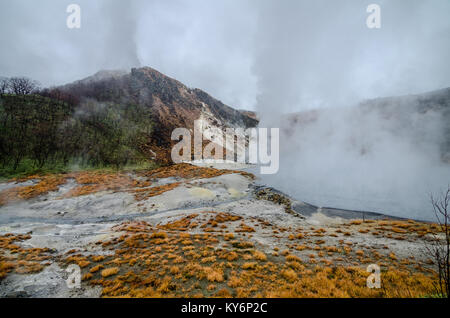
x=351 y=282
x=181 y=224
x=293 y=258
x=249 y=265
x=89 y=182
x=179 y=264
x=133 y=226
x=45 y=185
x=143 y=194
x=96 y=268
x=213 y=274
x=188 y=171
x=228 y=236
x=110 y=271
x=219 y=218
x=405 y=228
x=14 y=258
x=245 y=228
x=289 y=274
x=92 y=182
x=260 y=256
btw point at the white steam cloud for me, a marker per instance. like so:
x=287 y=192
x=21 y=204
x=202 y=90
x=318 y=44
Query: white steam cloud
x=320 y=55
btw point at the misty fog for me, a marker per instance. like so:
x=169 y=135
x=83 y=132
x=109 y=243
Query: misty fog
x=365 y=158
x=345 y=155
x=276 y=58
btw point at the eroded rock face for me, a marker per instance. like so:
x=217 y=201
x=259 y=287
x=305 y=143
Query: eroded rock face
x=185 y=231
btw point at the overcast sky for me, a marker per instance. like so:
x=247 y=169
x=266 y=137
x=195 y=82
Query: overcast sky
x=254 y=54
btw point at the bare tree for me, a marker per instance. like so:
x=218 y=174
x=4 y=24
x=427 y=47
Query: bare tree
x=4 y=85
x=22 y=85
x=439 y=247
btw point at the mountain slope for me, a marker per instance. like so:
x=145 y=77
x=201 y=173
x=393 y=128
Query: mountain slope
x=172 y=104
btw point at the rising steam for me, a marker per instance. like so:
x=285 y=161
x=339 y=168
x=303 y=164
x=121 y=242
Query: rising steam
x=366 y=158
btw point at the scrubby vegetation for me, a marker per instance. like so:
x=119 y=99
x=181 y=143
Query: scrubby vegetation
x=175 y=260
x=17 y=259
x=96 y=180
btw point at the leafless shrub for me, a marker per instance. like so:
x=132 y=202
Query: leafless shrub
x=22 y=85
x=4 y=85
x=439 y=247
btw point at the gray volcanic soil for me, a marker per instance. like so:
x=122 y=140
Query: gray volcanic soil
x=64 y=224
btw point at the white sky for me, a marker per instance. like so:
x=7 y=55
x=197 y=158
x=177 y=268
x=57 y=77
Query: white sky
x=254 y=54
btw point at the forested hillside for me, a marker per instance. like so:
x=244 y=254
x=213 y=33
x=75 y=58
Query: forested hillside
x=48 y=129
x=110 y=119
